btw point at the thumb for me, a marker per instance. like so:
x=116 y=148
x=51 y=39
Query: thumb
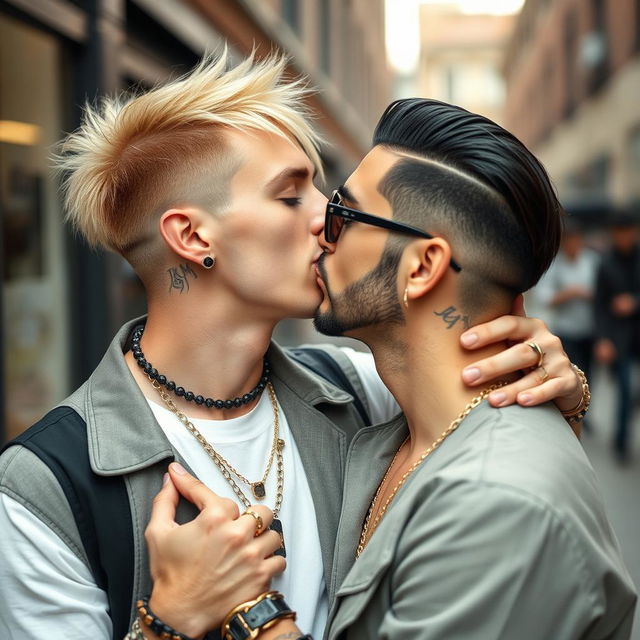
x=192 y=489
x=163 y=511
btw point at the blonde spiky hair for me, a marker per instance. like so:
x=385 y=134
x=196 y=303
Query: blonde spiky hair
x=124 y=163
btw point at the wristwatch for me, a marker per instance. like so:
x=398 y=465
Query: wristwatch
x=247 y=620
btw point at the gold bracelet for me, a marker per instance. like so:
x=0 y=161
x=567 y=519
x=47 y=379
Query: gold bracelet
x=580 y=410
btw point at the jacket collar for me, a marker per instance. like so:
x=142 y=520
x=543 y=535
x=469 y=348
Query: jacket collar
x=122 y=431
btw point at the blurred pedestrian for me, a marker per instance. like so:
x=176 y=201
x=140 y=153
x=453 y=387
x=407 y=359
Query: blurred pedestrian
x=566 y=291
x=617 y=315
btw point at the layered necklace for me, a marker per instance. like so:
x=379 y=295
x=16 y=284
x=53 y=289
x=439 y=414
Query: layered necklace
x=258 y=488
x=376 y=512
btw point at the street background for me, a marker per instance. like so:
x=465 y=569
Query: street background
x=563 y=75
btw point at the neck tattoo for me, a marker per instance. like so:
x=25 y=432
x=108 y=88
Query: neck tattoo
x=189 y=396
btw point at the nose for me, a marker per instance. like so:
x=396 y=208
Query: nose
x=317 y=228
x=317 y=221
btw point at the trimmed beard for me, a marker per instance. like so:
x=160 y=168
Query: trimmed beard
x=370 y=301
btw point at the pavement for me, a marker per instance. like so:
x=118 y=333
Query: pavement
x=620 y=483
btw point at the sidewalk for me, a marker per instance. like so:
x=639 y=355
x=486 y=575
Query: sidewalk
x=620 y=484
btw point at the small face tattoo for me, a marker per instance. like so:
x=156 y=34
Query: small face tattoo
x=179 y=277
x=451 y=318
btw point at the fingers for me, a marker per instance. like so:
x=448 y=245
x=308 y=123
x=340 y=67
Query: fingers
x=268 y=543
x=520 y=356
x=512 y=328
x=275 y=565
x=193 y=490
x=249 y=523
x=163 y=511
x=529 y=390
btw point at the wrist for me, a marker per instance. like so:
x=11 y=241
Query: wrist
x=577 y=412
x=174 y=613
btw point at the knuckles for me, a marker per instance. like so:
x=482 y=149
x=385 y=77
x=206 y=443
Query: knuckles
x=213 y=517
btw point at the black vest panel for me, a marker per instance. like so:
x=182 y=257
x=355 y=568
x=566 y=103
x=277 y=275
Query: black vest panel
x=100 y=506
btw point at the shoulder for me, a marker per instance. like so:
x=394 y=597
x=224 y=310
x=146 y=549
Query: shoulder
x=522 y=473
x=29 y=482
x=528 y=450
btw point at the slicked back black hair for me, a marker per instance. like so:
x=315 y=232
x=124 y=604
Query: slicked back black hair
x=481 y=179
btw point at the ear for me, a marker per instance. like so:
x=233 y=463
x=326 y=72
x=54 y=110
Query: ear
x=188 y=233
x=429 y=263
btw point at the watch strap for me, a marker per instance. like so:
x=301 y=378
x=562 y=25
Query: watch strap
x=253 y=617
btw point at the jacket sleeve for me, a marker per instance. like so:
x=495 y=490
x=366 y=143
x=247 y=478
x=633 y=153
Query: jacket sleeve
x=486 y=561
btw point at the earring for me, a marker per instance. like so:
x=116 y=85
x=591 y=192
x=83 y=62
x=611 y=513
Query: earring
x=208 y=262
x=405 y=299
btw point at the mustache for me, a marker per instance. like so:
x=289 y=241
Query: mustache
x=321 y=267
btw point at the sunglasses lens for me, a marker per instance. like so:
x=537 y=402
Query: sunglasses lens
x=333 y=223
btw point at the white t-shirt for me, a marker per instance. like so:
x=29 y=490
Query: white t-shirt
x=47 y=592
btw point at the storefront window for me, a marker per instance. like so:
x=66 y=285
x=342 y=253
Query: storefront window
x=34 y=305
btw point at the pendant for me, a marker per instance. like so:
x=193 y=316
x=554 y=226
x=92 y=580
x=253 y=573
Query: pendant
x=276 y=526
x=258 y=490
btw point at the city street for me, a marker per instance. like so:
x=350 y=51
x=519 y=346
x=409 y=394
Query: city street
x=620 y=484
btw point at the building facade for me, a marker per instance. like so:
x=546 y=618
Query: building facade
x=573 y=94
x=60 y=302
x=461 y=58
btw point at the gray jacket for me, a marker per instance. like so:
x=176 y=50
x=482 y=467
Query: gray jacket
x=124 y=440
x=501 y=533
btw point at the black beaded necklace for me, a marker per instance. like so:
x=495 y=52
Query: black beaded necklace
x=189 y=396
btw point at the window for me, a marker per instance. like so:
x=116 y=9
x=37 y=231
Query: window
x=291 y=14
x=637 y=23
x=570 y=51
x=325 y=35
x=34 y=319
x=595 y=47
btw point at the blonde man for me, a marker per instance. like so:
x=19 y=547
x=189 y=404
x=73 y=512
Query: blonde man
x=206 y=186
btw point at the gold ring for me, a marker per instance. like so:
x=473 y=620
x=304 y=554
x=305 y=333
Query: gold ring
x=544 y=376
x=257 y=518
x=538 y=351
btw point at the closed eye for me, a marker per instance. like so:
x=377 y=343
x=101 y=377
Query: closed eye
x=291 y=202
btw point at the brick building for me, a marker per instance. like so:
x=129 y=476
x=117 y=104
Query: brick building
x=60 y=302
x=462 y=56
x=573 y=95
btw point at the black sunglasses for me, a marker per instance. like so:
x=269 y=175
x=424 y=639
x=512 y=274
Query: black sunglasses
x=337 y=214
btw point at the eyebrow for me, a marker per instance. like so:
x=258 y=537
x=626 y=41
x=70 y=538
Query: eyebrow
x=347 y=194
x=290 y=173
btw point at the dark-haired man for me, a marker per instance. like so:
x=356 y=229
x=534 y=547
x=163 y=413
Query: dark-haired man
x=460 y=521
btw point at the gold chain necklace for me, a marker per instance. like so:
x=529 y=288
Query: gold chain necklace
x=369 y=527
x=222 y=464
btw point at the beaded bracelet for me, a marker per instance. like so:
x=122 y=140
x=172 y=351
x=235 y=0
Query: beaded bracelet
x=580 y=410
x=155 y=624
